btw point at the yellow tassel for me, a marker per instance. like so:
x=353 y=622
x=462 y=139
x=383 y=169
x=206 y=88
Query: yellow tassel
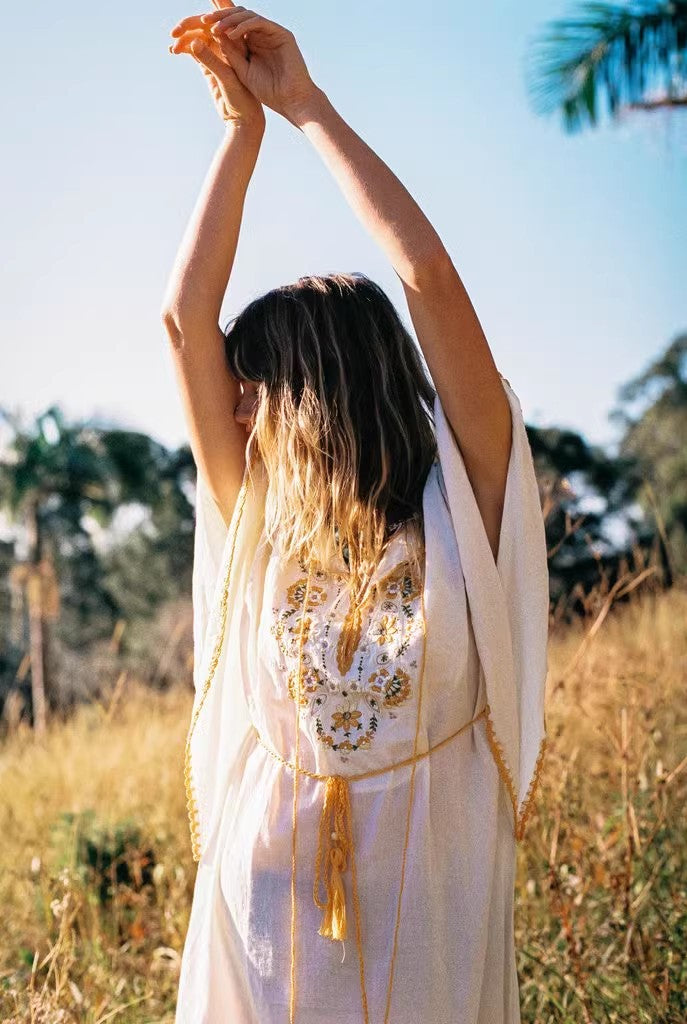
x=335 y=843
x=334 y=920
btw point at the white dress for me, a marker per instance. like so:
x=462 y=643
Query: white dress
x=485 y=627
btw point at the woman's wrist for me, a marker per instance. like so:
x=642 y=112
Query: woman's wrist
x=242 y=134
x=308 y=108
x=250 y=127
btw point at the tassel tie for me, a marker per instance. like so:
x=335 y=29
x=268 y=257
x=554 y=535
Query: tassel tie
x=336 y=853
x=334 y=847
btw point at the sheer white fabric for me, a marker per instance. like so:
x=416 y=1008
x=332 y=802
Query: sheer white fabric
x=486 y=633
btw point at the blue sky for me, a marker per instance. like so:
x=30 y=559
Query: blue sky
x=571 y=247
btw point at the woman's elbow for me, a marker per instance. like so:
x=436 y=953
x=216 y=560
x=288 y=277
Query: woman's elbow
x=171 y=322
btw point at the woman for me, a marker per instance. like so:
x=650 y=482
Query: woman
x=370 y=603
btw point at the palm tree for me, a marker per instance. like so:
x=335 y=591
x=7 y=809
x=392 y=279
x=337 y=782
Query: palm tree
x=51 y=476
x=633 y=54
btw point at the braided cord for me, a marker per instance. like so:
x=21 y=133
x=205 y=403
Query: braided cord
x=294 y=814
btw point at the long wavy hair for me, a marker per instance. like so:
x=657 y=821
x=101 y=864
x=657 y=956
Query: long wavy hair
x=344 y=422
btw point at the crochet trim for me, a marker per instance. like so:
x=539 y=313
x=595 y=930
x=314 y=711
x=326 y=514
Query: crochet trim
x=519 y=819
x=191 y=797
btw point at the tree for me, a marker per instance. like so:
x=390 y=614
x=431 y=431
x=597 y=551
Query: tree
x=656 y=438
x=621 y=52
x=583 y=490
x=53 y=475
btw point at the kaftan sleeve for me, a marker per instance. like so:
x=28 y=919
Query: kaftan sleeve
x=509 y=604
x=223 y=557
x=210 y=534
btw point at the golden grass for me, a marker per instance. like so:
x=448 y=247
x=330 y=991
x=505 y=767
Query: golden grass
x=601 y=917
x=601 y=921
x=117 y=961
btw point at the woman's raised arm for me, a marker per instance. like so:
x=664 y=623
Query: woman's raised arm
x=198 y=281
x=457 y=353
x=450 y=335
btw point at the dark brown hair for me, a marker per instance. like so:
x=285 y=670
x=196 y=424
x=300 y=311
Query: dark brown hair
x=344 y=420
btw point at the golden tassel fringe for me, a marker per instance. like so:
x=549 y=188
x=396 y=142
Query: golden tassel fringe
x=334 y=847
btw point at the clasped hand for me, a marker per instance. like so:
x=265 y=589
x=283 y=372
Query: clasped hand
x=248 y=61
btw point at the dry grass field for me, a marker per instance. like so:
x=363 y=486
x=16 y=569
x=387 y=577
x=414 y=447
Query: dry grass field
x=96 y=874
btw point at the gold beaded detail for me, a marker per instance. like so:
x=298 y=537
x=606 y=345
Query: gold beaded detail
x=191 y=800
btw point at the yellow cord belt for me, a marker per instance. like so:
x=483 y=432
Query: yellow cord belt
x=335 y=845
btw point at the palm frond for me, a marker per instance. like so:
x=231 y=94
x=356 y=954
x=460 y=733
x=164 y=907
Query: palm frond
x=631 y=55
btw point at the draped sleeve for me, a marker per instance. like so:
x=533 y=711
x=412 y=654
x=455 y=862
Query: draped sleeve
x=509 y=605
x=210 y=534
x=220 y=721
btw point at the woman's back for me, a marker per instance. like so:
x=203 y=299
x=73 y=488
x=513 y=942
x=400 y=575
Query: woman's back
x=359 y=707
x=424 y=850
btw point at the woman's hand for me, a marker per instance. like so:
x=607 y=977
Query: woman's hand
x=216 y=57
x=269 y=62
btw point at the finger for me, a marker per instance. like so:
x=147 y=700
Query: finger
x=215 y=71
x=206 y=55
x=228 y=21
x=236 y=47
x=194 y=21
x=219 y=12
x=182 y=44
x=234 y=53
x=253 y=24
x=215 y=92
x=215 y=89
x=218 y=29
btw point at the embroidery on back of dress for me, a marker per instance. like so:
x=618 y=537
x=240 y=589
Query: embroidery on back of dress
x=378 y=641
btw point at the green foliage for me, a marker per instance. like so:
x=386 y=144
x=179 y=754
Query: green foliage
x=104 y=857
x=570 y=472
x=656 y=439
x=109 y=510
x=619 y=52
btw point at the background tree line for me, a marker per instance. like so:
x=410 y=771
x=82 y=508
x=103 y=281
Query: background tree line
x=95 y=580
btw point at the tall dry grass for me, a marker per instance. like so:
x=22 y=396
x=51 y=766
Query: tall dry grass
x=602 y=917
x=67 y=954
x=94 y=910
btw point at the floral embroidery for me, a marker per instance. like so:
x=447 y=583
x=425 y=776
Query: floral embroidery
x=296 y=594
x=359 y=666
x=345 y=718
x=394 y=687
x=401 y=583
x=310 y=684
x=385 y=629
